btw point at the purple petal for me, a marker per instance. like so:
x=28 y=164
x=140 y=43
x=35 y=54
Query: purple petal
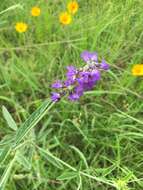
x=104 y=65
x=94 y=56
x=84 y=76
x=85 y=56
x=95 y=75
x=55 y=97
x=71 y=72
x=71 y=69
x=57 y=84
x=73 y=97
x=89 y=86
x=79 y=90
x=68 y=82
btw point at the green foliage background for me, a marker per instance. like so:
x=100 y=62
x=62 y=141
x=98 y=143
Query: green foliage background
x=92 y=144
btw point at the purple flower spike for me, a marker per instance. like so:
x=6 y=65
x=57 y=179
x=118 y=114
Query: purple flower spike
x=104 y=65
x=85 y=56
x=55 y=97
x=57 y=84
x=80 y=80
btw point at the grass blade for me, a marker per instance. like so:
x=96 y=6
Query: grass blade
x=11 y=8
x=81 y=155
x=6 y=174
x=48 y=156
x=4 y=153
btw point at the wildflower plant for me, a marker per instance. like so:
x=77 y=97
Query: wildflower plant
x=21 y=27
x=65 y=18
x=137 y=70
x=72 y=7
x=35 y=11
x=79 y=80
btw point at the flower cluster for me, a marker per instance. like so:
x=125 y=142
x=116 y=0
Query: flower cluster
x=22 y=27
x=66 y=17
x=79 y=80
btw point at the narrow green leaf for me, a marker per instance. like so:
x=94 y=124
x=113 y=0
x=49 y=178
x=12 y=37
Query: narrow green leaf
x=81 y=155
x=58 y=160
x=6 y=174
x=33 y=119
x=23 y=161
x=11 y=8
x=7 y=140
x=67 y=175
x=48 y=156
x=10 y=121
x=4 y=153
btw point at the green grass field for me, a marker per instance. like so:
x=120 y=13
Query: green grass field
x=93 y=144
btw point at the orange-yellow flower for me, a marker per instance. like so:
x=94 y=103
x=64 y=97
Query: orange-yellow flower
x=65 y=18
x=21 y=27
x=73 y=7
x=35 y=11
x=137 y=70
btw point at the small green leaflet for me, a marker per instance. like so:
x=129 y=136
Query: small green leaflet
x=67 y=175
x=10 y=121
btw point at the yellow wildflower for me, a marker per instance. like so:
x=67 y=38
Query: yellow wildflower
x=73 y=7
x=35 y=11
x=137 y=70
x=21 y=27
x=65 y=18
